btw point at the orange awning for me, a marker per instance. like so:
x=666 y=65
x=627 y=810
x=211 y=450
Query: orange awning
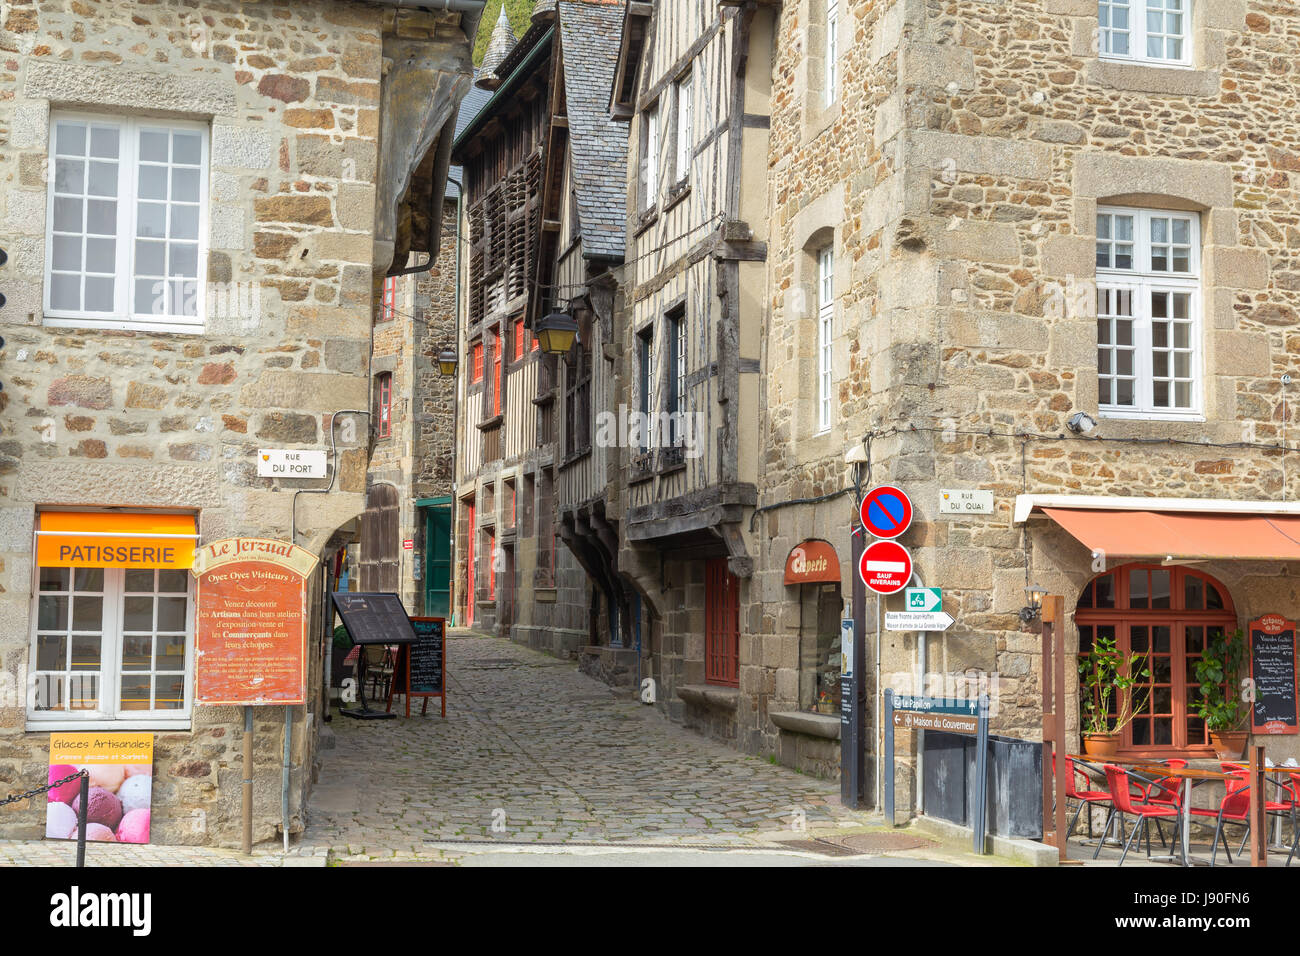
x=1183 y=535
x=108 y=539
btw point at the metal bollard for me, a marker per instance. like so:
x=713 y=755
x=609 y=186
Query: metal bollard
x=83 y=804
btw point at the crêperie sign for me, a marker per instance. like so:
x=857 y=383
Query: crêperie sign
x=374 y=618
x=1272 y=667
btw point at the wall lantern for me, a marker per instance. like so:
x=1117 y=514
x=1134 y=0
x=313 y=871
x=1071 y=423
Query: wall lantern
x=1034 y=595
x=556 y=333
x=447 y=363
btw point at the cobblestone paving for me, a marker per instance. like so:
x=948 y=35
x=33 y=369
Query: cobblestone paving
x=534 y=751
x=64 y=854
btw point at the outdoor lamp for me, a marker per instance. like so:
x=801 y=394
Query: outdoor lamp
x=556 y=333
x=1081 y=423
x=447 y=363
x=1034 y=595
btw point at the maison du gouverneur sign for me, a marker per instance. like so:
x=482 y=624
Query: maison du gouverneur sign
x=251 y=634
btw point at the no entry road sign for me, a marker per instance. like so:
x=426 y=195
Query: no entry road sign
x=885 y=567
x=886 y=512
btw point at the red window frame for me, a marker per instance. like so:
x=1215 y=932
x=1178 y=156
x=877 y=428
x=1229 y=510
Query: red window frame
x=721 y=625
x=388 y=306
x=1170 y=638
x=496 y=373
x=536 y=346
x=519 y=339
x=476 y=360
x=385 y=386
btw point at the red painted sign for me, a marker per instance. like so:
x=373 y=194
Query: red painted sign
x=886 y=567
x=886 y=512
x=811 y=562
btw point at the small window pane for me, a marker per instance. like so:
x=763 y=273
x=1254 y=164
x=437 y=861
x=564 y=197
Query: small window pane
x=86 y=651
x=151 y=220
x=173 y=581
x=99 y=294
x=150 y=258
x=69 y=176
x=70 y=139
x=137 y=652
x=1160 y=589
x=104 y=142
x=171 y=614
x=87 y=613
x=139 y=580
x=184 y=260
x=186 y=148
x=1193 y=593
x=153 y=146
x=1137 y=585
x=51 y=652
x=1104 y=588
x=103 y=179
x=101 y=217
x=1138 y=638
x=55 y=579
x=171 y=653
x=65 y=292
x=170 y=692
x=101 y=255
x=185 y=185
x=135 y=693
x=137 y=614
x=67 y=215
x=52 y=614
x=185 y=222
x=152 y=182
x=1141 y=733
x=67 y=253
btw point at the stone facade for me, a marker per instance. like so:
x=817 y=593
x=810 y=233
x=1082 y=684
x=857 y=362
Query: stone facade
x=287 y=98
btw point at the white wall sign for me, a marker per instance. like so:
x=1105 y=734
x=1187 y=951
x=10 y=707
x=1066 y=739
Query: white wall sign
x=953 y=501
x=290 y=463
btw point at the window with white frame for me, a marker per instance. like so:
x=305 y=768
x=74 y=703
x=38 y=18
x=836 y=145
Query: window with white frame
x=1148 y=312
x=676 y=398
x=825 y=338
x=650 y=159
x=1155 y=31
x=126 y=214
x=111 y=644
x=831 y=77
x=685 y=129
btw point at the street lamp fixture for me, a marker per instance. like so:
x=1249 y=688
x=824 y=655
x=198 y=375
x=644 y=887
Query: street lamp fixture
x=1034 y=595
x=447 y=363
x=556 y=333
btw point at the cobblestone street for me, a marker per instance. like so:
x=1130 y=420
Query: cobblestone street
x=533 y=751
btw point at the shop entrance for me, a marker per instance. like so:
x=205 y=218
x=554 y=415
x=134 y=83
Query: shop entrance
x=437 y=556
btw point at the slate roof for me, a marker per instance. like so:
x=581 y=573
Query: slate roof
x=589 y=39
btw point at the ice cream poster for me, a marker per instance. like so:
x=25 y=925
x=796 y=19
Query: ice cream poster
x=121 y=786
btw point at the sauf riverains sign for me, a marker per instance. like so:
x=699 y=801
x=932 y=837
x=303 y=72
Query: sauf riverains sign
x=811 y=562
x=251 y=638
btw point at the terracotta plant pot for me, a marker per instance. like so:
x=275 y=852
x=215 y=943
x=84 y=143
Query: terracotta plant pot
x=1228 y=744
x=1100 y=745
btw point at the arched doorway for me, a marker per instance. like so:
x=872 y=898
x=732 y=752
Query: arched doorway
x=1166 y=614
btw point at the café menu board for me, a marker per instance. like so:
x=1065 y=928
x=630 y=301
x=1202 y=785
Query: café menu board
x=427 y=659
x=1272 y=667
x=374 y=618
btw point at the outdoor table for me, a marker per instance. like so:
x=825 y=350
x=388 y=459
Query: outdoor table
x=1188 y=775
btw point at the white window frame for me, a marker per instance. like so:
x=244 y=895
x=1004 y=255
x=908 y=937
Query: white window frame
x=1137 y=31
x=685 y=128
x=122 y=316
x=831 y=72
x=825 y=334
x=1141 y=281
x=650 y=161
x=110 y=672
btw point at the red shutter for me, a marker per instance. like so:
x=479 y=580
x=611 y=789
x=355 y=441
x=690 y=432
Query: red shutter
x=478 y=362
x=721 y=624
x=519 y=339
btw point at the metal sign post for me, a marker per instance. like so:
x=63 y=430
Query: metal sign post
x=853 y=696
x=980 y=822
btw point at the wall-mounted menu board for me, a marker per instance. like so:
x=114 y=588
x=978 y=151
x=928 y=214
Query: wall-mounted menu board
x=421 y=669
x=373 y=618
x=1272 y=667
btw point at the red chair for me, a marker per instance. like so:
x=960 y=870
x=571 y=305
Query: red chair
x=1086 y=798
x=1234 y=808
x=1168 y=790
x=1118 y=781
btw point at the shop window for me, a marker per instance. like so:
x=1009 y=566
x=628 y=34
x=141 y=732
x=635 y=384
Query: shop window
x=384 y=399
x=1150 y=31
x=111 y=643
x=721 y=624
x=819 y=648
x=1166 y=615
x=1148 y=313
x=127 y=204
x=388 y=307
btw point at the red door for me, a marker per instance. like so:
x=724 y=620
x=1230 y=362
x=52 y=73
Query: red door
x=469 y=569
x=721 y=624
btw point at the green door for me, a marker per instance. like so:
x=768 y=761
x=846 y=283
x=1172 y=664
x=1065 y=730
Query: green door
x=437 y=558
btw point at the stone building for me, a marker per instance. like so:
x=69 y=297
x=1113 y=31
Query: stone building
x=196 y=204
x=1043 y=250
x=512 y=576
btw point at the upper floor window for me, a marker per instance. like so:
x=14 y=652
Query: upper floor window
x=388 y=308
x=496 y=372
x=384 y=390
x=127 y=209
x=476 y=362
x=519 y=339
x=1148 y=312
x=650 y=158
x=685 y=129
x=1156 y=31
x=645 y=383
x=825 y=337
x=676 y=398
x=832 y=45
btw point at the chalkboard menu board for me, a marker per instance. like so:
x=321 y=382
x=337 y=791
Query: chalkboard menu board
x=421 y=667
x=1272 y=667
x=374 y=618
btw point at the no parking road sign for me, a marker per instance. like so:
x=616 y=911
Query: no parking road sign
x=885 y=567
x=886 y=512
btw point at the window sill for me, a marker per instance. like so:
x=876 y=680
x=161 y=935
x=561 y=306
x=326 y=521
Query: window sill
x=139 y=724
x=677 y=194
x=715 y=696
x=1140 y=76
x=121 y=325
x=575 y=457
x=808 y=723
x=648 y=219
x=491 y=423
x=1151 y=416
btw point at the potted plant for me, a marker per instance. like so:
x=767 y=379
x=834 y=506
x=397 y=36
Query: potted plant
x=1108 y=705
x=1219 y=671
